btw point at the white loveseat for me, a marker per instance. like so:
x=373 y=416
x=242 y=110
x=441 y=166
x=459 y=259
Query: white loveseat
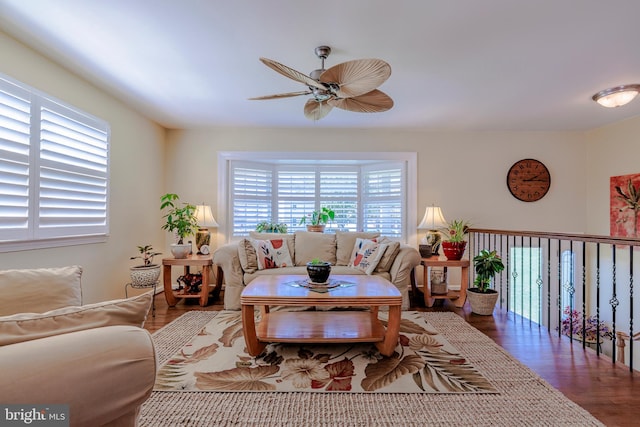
x=240 y=263
x=96 y=358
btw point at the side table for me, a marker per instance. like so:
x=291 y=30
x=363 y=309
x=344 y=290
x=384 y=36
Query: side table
x=203 y=261
x=460 y=296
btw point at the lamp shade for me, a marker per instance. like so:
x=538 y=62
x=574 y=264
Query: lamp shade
x=205 y=217
x=617 y=96
x=433 y=219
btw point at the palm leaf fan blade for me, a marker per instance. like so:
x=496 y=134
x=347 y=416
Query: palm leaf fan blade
x=375 y=101
x=281 y=95
x=357 y=77
x=315 y=110
x=291 y=73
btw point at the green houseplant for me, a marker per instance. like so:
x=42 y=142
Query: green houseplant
x=482 y=298
x=147 y=273
x=318 y=219
x=454 y=242
x=271 y=227
x=181 y=220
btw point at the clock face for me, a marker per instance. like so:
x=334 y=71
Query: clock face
x=528 y=180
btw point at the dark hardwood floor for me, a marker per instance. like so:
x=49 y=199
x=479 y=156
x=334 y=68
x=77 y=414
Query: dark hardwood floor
x=608 y=391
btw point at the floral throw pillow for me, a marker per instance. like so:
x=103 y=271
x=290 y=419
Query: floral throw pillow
x=366 y=255
x=272 y=254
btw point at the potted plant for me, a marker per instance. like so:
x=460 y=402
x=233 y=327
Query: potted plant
x=318 y=271
x=454 y=244
x=147 y=273
x=318 y=219
x=482 y=298
x=180 y=220
x=271 y=227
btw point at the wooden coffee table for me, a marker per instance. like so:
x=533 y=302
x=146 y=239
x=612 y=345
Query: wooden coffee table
x=320 y=326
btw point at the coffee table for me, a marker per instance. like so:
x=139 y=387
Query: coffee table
x=320 y=326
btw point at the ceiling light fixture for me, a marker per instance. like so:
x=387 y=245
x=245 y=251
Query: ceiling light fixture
x=617 y=96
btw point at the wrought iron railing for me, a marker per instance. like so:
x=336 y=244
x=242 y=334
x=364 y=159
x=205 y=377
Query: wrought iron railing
x=576 y=285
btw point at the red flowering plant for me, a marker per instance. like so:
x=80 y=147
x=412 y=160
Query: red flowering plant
x=572 y=323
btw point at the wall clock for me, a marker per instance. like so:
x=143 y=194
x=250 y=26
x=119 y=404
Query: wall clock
x=528 y=180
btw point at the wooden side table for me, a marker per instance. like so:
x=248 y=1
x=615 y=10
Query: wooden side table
x=204 y=261
x=460 y=296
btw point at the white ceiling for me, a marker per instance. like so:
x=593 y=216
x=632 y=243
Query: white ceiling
x=456 y=65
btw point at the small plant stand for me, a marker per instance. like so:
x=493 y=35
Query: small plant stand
x=136 y=286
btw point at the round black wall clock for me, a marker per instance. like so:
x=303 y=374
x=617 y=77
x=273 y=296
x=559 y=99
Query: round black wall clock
x=528 y=180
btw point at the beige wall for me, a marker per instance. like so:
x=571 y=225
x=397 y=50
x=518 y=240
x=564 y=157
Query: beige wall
x=465 y=173
x=137 y=179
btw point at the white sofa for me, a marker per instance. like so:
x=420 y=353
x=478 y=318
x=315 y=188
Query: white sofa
x=238 y=260
x=96 y=358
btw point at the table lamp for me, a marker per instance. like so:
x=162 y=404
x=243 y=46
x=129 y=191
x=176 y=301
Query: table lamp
x=432 y=221
x=205 y=221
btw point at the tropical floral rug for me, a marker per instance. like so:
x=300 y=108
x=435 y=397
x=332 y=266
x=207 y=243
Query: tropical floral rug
x=423 y=362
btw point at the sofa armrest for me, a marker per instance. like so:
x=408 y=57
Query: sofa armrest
x=226 y=257
x=103 y=373
x=402 y=268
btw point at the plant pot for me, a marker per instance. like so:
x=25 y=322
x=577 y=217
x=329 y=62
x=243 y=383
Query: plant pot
x=316 y=228
x=144 y=275
x=454 y=250
x=482 y=303
x=319 y=273
x=180 y=251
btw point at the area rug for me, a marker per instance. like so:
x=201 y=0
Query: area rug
x=523 y=397
x=423 y=362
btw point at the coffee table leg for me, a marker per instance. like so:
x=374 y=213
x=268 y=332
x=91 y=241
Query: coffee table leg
x=254 y=347
x=390 y=342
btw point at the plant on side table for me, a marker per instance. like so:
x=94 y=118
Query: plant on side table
x=482 y=298
x=318 y=270
x=147 y=273
x=180 y=220
x=271 y=227
x=318 y=219
x=454 y=244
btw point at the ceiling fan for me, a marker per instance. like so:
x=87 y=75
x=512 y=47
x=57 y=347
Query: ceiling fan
x=350 y=85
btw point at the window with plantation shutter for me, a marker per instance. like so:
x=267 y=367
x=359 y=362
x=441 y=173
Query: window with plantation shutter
x=54 y=171
x=365 y=195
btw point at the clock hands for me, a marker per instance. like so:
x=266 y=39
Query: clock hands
x=533 y=179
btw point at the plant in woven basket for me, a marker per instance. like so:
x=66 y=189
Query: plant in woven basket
x=146 y=274
x=487 y=264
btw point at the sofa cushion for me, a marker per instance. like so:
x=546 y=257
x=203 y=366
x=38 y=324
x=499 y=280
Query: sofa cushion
x=247 y=256
x=393 y=248
x=345 y=241
x=310 y=245
x=30 y=326
x=275 y=236
x=366 y=255
x=40 y=289
x=272 y=253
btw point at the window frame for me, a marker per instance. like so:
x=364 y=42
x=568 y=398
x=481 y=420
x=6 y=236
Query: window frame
x=31 y=237
x=224 y=178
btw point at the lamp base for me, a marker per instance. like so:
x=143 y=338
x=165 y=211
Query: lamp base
x=203 y=237
x=434 y=239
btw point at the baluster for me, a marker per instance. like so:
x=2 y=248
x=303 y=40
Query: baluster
x=614 y=302
x=584 y=299
x=539 y=283
x=559 y=300
x=598 y=291
x=549 y=285
x=631 y=308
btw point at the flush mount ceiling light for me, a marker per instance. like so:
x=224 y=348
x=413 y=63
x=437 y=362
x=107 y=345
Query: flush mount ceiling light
x=617 y=96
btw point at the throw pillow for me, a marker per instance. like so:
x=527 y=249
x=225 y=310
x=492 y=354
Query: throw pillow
x=289 y=238
x=366 y=255
x=272 y=254
x=389 y=256
x=345 y=241
x=310 y=245
x=30 y=326
x=40 y=289
x=247 y=256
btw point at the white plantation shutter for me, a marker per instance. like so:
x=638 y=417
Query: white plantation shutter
x=296 y=195
x=54 y=171
x=73 y=174
x=15 y=114
x=339 y=189
x=383 y=196
x=251 y=196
